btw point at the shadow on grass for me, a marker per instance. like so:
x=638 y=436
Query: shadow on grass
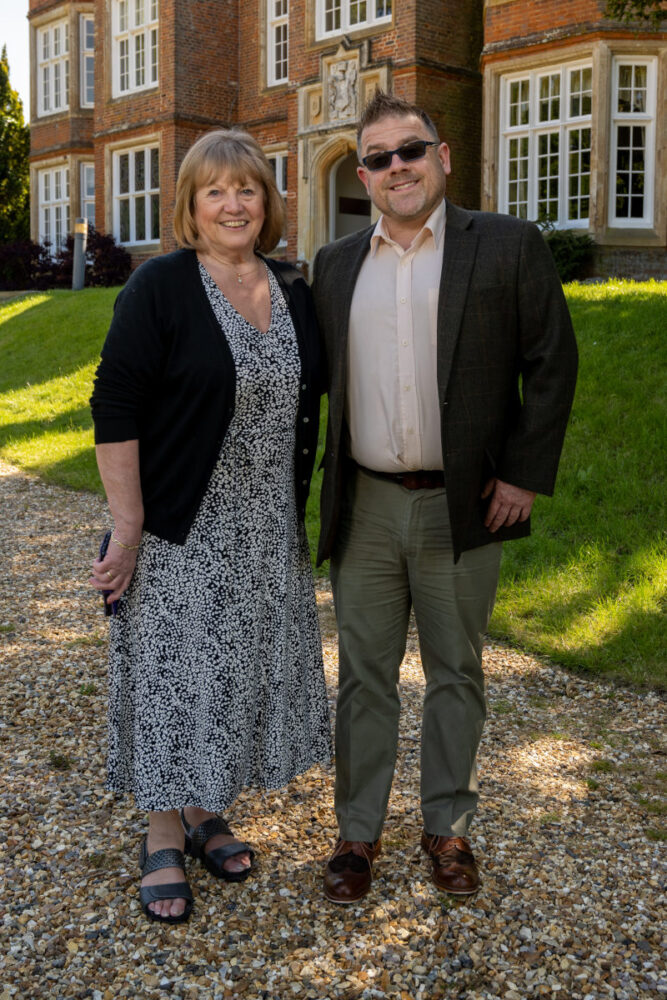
x=610 y=619
x=76 y=419
x=76 y=472
x=42 y=340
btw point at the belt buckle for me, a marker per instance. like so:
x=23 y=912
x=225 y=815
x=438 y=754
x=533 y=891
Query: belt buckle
x=412 y=481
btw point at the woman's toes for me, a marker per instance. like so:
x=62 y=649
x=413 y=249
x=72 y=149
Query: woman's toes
x=238 y=863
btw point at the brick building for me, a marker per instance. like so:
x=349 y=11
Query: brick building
x=573 y=121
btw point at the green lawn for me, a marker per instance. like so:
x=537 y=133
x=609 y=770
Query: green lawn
x=587 y=589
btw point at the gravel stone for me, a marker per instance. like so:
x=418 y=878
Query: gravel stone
x=569 y=835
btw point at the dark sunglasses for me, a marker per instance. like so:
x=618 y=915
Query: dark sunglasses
x=414 y=150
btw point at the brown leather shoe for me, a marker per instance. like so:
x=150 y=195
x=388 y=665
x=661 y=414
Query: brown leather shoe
x=348 y=874
x=454 y=865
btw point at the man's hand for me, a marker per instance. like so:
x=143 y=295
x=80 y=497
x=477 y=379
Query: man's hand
x=509 y=504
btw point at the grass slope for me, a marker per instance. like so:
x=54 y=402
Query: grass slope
x=587 y=588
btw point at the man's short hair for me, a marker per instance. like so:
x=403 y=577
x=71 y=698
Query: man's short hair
x=383 y=105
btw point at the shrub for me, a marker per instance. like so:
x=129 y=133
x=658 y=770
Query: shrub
x=571 y=250
x=110 y=264
x=25 y=264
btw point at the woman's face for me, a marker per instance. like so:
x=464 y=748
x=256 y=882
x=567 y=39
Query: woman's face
x=229 y=215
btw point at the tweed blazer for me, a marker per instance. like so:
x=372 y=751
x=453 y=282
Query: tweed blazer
x=506 y=366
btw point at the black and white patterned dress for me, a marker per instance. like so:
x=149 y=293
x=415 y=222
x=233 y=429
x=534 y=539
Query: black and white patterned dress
x=216 y=676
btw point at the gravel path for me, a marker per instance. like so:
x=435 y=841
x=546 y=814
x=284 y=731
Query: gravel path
x=569 y=835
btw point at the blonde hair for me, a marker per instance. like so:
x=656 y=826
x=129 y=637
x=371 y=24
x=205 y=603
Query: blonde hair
x=234 y=152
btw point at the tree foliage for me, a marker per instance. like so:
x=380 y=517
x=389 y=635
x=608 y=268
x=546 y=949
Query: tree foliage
x=651 y=12
x=14 y=166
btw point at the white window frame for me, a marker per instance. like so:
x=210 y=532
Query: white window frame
x=277 y=49
x=87 y=170
x=352 y=15
x=54 y=208
x=278 y=161
x=632 y=119
x=135 y=46
x=529 y=139
x=134 y=196
x=53 y=68
x=86 y=61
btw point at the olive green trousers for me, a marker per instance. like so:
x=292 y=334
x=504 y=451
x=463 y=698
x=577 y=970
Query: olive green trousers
x=393 y=553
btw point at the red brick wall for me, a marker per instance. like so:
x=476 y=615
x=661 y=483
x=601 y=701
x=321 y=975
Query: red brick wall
x=57 y=134
x=450 y=33
x=203 y=42
x=525 y=17
x=67 y=130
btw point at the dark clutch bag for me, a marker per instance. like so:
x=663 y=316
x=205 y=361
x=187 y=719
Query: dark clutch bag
x=109 y=609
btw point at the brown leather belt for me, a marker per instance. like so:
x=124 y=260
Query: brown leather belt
x=420 y=479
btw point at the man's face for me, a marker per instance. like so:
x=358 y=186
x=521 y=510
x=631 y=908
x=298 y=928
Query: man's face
x=405 y=193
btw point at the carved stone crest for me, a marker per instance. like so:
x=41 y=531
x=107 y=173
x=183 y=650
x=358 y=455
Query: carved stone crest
x=343 y=89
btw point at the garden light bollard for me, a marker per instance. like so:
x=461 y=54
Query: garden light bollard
x=79 y=266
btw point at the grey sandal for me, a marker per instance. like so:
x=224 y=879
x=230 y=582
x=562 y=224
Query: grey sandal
x=170 y=857
x=196 y=839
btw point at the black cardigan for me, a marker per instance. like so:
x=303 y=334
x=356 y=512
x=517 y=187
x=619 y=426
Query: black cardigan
x=167 y=377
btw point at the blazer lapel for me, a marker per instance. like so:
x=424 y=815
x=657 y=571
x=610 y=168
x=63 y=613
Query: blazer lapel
x=345 y=271
x=457 y=265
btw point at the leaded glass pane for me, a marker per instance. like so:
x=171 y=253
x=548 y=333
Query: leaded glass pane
x=154 y=55
x=139 y=171
x=549 y=98
x=332 y=15
x=155 y=168
x=124 y=53
x=358 y=11
x=139 y=60
x=519 y=108
x=123 y=173
x=140 y=218
x=155 y=217
x=124 y=213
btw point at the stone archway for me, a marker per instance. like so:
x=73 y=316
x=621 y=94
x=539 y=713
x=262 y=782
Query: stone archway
x=349 y=204
x=321 y=157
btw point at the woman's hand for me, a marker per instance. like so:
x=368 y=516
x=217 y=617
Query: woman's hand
x=114 y=572
x=118 y=462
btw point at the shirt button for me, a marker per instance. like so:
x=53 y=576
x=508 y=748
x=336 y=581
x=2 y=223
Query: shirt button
x=407 y=388
x=303 y=387
x=306 y=420
x=405 y=343
x=403 y=299
x=305 y=451
x=304 y=482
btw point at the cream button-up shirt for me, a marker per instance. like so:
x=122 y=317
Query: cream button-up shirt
x=392 y=406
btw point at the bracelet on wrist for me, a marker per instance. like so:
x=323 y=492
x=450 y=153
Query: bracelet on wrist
x=123 y=545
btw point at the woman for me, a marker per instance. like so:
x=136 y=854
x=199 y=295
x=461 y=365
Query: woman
x=206 y=408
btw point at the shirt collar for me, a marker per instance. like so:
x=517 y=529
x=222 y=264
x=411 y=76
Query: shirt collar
x=433 y=227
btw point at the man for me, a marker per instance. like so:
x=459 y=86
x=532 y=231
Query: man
x=452 y=365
